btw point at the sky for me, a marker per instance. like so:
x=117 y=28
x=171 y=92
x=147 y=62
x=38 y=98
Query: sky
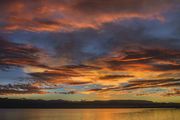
x=90 y=49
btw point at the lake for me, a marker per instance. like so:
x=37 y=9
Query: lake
x=89 y=114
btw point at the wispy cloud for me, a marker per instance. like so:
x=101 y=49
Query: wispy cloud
x=20 y=89
x=18 y=55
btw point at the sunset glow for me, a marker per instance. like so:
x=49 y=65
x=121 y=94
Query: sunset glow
x=90 y=49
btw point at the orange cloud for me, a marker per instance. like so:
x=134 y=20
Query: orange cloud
x=57 y=16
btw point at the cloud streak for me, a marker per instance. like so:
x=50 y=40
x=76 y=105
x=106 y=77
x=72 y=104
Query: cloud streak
x=20 y=89
x=18 y=55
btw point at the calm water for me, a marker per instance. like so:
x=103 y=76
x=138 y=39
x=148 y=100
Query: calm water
x=89 y=114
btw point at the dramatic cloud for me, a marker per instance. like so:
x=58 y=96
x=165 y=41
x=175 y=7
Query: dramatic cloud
x=57 y=77
x=53 y=15
x=18 y=55
x=153 y=59
x=90 y=48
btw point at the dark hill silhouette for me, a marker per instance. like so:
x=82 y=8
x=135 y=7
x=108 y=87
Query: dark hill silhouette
x=25 y=103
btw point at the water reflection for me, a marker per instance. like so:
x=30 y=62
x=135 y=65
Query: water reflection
x=90 y=114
